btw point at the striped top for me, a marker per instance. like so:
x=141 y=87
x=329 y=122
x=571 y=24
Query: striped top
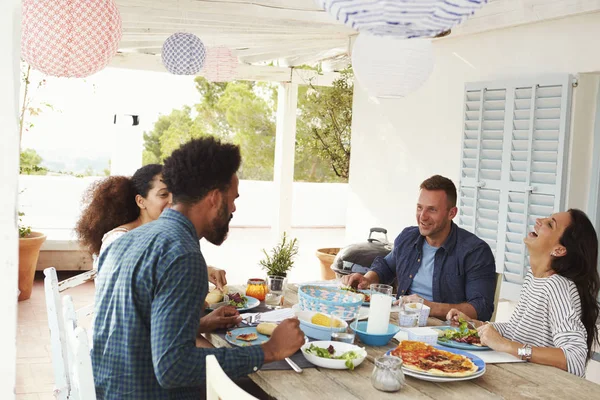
x=549 y=315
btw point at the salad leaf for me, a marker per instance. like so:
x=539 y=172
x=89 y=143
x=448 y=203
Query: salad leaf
x=238 y=300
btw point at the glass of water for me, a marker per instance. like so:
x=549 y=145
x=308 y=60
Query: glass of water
x=409 y=313
x=276 y=289
x=341 y=323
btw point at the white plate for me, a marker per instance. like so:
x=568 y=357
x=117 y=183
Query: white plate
x=340 y=348
x=432 y=378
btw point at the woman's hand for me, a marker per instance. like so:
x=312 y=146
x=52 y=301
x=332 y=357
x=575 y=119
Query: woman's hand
x=491 y=337
x=216 y=276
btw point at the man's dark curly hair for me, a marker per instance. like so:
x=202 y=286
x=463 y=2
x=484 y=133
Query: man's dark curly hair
x=199 y=166
x=110 y=203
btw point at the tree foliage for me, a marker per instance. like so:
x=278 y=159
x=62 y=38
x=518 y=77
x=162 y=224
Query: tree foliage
x=30 y=162
x=244 y=113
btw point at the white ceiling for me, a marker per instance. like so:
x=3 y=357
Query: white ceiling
x=287 y=32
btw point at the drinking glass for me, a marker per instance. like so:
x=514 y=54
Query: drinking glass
x=339 y=333
x=276 y=289
x=410 y=311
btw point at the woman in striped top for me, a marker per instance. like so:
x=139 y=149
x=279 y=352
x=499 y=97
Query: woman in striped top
x=555 y=320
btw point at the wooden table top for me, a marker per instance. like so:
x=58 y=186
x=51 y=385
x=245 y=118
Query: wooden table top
x=500 y=381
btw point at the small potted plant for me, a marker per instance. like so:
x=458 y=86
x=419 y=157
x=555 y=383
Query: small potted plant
x=279 y=262
x=29 y=251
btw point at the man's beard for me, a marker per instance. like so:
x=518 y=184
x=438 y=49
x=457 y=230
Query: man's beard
x=220 y=226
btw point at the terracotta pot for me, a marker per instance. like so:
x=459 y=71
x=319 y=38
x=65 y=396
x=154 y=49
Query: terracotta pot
x=326 y=257
x=29 y=251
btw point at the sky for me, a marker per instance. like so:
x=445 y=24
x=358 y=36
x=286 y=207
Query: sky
x=81 y=124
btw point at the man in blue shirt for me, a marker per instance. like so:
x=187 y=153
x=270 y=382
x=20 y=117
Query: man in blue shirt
x=152 y=283
x=445 y=265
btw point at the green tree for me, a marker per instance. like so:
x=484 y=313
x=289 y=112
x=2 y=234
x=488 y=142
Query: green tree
x=244 y=113
x=30 y=162
x=324 y=127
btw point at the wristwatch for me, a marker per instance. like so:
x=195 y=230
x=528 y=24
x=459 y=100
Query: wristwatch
x=525 y=352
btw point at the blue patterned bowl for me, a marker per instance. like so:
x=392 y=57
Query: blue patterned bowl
x=328 y=300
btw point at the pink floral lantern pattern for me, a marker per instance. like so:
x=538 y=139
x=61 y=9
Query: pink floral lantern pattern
x=70 y=38
x=183 y=54
x=220 y=65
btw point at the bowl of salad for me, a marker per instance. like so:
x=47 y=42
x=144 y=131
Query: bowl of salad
x=334 y=355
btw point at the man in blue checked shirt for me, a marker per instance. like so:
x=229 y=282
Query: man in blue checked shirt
x=152 y=283
x=445 y=265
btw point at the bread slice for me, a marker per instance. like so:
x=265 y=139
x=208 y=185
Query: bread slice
x=247 y=337
x=266 y=328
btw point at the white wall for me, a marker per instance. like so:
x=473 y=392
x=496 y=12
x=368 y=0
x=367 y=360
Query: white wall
x=398 y=143
x=52 y=204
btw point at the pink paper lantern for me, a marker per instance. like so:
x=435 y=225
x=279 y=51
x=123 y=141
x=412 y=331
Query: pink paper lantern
x=220 y=65
x=70 y=38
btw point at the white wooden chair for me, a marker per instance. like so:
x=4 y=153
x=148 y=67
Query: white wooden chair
x=219 y=385
x=71 y=359
x=496 y=295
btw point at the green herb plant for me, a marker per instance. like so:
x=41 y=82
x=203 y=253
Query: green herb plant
x=281 y=259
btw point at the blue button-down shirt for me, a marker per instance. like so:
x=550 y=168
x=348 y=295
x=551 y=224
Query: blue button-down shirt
x=464 y=268
x=150 y=290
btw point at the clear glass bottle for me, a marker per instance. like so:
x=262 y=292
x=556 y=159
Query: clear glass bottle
x=387 y=375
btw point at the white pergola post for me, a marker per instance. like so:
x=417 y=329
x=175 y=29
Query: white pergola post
x=10 y=78
x=285 y=147
x=128 y=144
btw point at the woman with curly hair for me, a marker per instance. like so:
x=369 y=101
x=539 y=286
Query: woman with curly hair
x=555 y=321
x=119 y=204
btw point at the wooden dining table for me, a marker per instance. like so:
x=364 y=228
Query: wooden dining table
x=500 y=381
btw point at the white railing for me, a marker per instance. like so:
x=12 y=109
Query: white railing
x=53 y=203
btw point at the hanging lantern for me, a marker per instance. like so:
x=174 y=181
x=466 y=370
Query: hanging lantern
x=401 y=18
x=70 y=38
x=220 y=65
x=388 y=67
x=183 y=54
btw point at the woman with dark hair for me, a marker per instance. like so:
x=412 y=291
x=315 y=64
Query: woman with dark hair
x=555 y=320
x=119 y=204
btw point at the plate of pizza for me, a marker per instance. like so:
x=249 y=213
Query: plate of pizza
x=243 y=337
x=437 y=363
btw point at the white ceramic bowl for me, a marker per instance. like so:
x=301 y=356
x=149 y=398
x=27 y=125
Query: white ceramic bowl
x=340 y=348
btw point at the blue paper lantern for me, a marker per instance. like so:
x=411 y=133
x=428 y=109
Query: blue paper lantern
x=401 y=18
x=183 y=54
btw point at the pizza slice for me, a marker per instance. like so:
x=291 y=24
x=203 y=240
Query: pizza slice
x=247 y=337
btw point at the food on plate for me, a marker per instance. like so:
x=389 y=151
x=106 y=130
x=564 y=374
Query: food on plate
x=462 y=335
x=324 y=320
x=216 y=295
x=367 y=298
x=266 y=328
x=247 y=337
x=421 y=357
x=237 y=300
x=330 y=353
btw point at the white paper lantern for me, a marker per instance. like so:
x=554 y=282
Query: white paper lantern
x=183 y=54
x=401 y=18
x=388 y=67
x=220 y=65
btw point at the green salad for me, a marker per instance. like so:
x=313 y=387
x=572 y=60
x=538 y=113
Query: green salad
x=329 y=353
x=237 y=300
x=463 y=334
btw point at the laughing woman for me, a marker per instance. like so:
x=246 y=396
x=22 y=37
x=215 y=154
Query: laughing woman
x=555 y=321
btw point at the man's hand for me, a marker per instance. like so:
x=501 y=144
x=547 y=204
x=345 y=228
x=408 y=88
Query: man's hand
x=356 y=280
x=216 y=276
x=222 y=318
x=286 y=339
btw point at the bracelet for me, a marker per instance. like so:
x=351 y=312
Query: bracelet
x=525 y=352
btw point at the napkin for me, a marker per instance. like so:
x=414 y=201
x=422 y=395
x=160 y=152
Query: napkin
x=277 y=315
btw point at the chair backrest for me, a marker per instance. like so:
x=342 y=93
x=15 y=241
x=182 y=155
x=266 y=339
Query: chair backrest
x=497 y=295
x=79 y=359
x=219 y=385
x=71 y=361
x=58 y=339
